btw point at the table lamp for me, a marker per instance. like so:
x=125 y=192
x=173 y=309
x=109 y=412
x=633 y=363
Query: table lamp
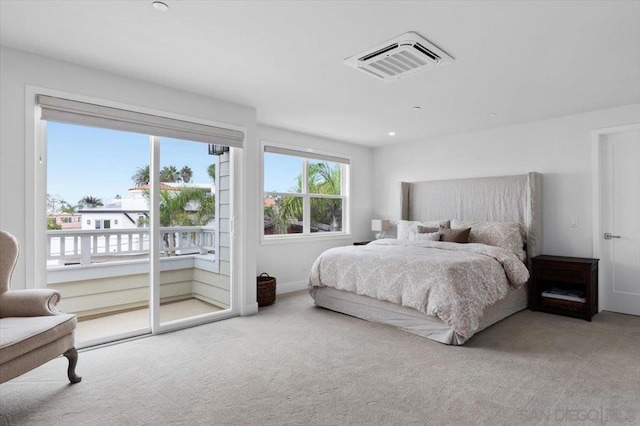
x=380 y=226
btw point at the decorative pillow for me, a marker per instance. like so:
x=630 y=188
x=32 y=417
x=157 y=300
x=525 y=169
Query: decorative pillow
x=507 y=235
x=455 y=235
x=431 y=236
x=406 y=227
x=428 y=229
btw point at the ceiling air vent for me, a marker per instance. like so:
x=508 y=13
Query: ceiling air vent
x=401 y=57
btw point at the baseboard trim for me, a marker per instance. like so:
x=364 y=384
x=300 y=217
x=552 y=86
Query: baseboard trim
x=290 y=287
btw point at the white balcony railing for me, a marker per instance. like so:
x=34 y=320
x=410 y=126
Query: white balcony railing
x=101 y=245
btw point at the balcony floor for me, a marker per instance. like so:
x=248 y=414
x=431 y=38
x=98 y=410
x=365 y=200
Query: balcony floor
x=111 y=325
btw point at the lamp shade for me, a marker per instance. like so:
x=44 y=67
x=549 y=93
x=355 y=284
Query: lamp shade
x=379 y=225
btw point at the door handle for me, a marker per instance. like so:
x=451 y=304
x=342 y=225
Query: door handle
x=609 y=236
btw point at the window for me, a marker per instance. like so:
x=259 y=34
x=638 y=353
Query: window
x=98 y=223
x=304 y=193
x=107 y=224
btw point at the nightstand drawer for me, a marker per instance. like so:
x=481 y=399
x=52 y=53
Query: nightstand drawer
x=569 y=275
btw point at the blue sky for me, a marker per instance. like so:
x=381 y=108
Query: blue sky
x=99 y=162
x=283 y=172
x=85 y=161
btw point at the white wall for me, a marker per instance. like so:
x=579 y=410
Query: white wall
x=290 y=262
x=558 y=148
x=20 y=69
x=123 y=221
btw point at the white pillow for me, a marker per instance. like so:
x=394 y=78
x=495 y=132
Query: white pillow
x=431 y=236
x=408 y=227
x=507 y=235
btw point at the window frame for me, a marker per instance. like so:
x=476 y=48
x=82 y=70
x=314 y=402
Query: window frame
x=307 y=155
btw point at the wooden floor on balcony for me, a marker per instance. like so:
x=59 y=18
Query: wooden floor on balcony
x=119 y=323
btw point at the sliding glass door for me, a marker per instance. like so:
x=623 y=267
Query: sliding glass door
x=190 y=216
x=97 y=237
x=138 y=233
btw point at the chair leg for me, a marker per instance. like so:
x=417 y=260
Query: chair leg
x=72 y=356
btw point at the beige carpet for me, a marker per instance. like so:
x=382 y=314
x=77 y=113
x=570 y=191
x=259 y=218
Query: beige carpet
x=297 y=364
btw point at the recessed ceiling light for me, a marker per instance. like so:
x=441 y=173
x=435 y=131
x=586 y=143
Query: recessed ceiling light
x=159 y=6
x=391 y=133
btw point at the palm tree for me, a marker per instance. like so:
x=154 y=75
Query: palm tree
x=68 y=208
x=169 y=174
x=89 y=201
x=186 y=174
x=323 y=179
x=187 y=207
x=211 y=171
x=141 y=176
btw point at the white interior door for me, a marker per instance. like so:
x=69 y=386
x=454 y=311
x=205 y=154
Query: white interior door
x=620 y=221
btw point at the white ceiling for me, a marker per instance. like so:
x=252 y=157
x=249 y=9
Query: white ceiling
x=524 y=61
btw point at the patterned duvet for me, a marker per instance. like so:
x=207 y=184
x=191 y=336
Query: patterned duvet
x=454 y=282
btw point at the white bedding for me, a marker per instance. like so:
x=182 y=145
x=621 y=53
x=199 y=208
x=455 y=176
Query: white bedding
x=411 y=320
x=454 y=282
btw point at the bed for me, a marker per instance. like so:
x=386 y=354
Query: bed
x=476 y=286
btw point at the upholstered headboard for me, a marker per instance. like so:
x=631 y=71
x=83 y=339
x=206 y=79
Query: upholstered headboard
x=502 y=199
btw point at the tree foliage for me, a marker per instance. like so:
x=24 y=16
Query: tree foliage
x=90 y=201
x=187 y=207
x=183 y=207
x=142 y=176
x=169 y=174
x=323 y=179
x=68 y=208
x=53 y=225
x=186 y=174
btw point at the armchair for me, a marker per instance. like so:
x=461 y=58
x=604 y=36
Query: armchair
x=32 y=330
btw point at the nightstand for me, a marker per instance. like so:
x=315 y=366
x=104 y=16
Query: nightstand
x=361 y=243
x=565 y=286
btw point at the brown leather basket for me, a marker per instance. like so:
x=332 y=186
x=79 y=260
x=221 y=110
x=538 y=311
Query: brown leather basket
x=266 y=289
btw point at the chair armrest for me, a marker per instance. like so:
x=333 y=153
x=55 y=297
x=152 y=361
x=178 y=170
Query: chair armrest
x=29 y=303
